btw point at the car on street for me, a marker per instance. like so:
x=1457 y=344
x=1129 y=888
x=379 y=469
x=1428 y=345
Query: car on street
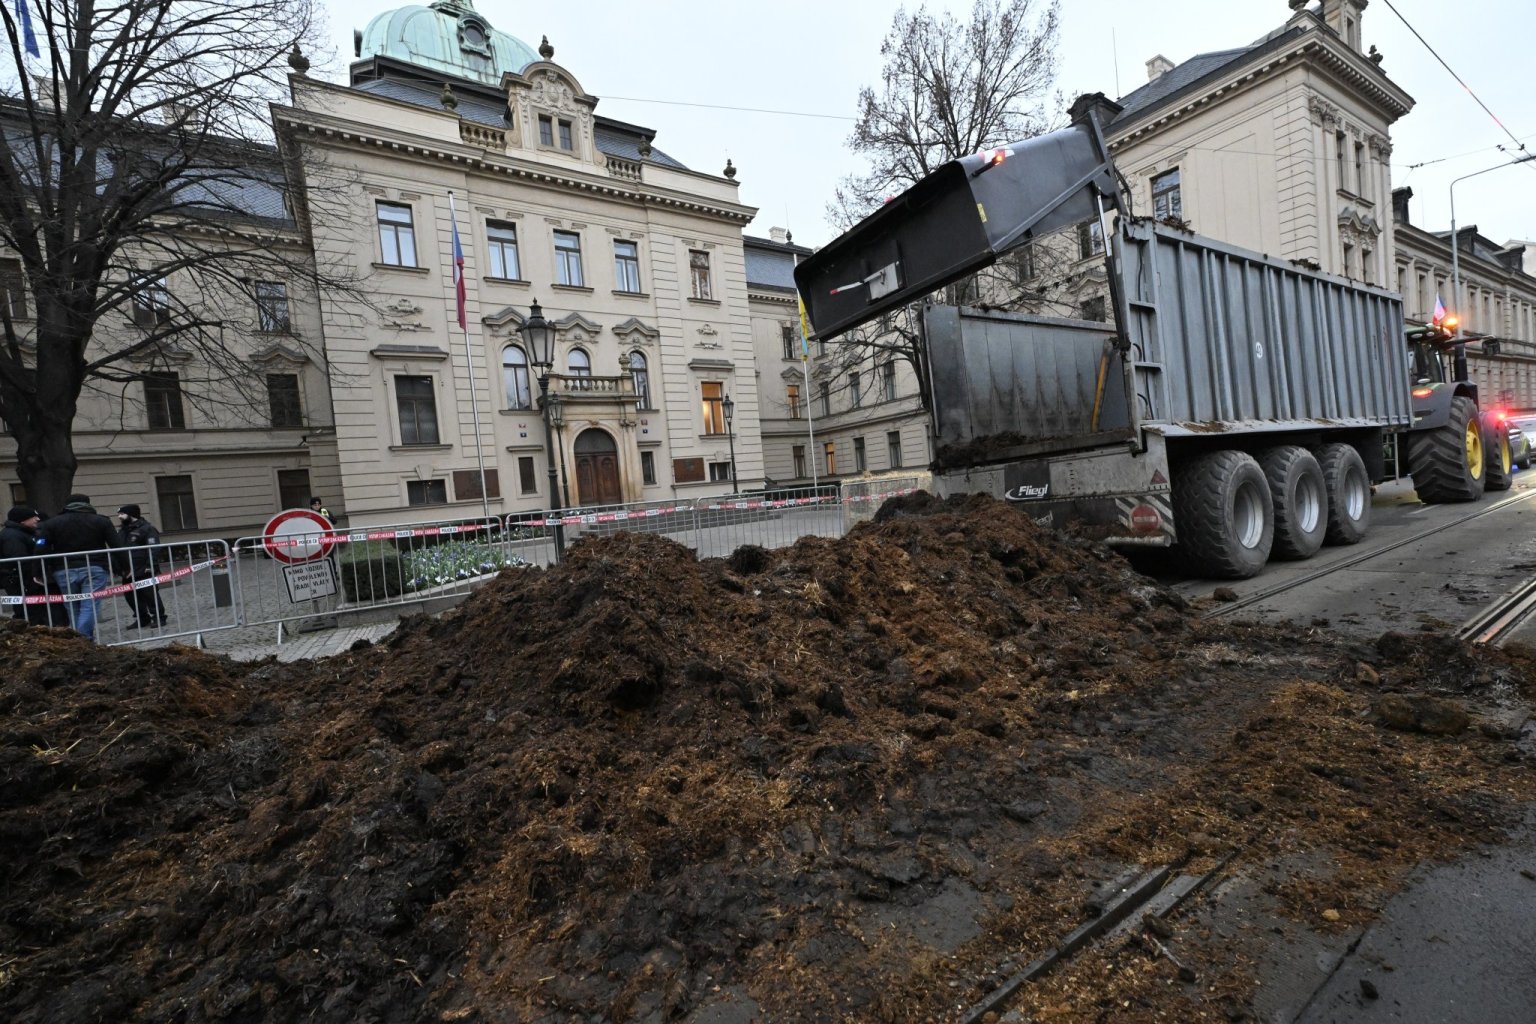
x=1522 y=440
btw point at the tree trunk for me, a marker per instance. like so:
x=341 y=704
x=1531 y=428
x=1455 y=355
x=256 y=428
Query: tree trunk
x=46 y=462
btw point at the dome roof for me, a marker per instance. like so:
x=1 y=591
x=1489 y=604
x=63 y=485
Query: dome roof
x=449 y=36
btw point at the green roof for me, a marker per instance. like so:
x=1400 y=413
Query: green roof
x=449 y=36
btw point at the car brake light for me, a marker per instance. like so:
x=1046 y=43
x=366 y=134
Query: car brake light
x=1423 y=392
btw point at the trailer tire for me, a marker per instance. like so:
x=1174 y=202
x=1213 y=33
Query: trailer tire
x=1448 y=463
x=1349 y=493
x=1300 y=499
x=1224 y=514
x=1501 y=462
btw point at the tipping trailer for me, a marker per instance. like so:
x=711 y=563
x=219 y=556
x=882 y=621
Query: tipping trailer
x=1239 y=406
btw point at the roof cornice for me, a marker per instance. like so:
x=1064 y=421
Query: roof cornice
x=1318 y=46
x=366 y=138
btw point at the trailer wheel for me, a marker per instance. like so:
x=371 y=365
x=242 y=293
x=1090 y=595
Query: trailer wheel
x=1224 y=514
x=1447 y=464
x=1348 y=486
x=1501 y=461
x=1300 y=500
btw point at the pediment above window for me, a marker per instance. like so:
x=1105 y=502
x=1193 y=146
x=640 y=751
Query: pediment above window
x=280 y=355
x=576 y=329
x=634 y=332
x=162 y=353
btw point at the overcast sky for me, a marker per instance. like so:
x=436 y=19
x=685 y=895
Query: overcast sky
x=647 y=58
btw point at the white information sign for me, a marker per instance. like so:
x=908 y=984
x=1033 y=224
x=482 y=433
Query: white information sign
x=309 y=580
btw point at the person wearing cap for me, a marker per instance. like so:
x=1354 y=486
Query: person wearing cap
x=318 y=506
x=138 y=536
x=81 y=552
x=21 y=571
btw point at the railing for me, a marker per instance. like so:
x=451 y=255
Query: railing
x=576 y=385
x=629 y=170
x=482 y=136
x=229 y=598
x=127 y=595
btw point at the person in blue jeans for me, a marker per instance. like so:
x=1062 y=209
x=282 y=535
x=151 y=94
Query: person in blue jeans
x=80 y=546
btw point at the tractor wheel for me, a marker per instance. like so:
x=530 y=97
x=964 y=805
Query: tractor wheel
x=1300 y=501
x=1501 y=461
x=1349 y=493
x=1448 y=464
x=1224 y=515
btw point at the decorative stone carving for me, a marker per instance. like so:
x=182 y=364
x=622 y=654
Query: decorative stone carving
x=551 y=91
x=545 y=50
x=1381 y=146
x=448 y=100
x=1324 y=113
x=297 y=60
x=401 y=315
x=633 y=332
x=730 y=169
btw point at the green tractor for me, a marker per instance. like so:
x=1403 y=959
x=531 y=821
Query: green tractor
x=1455 y=450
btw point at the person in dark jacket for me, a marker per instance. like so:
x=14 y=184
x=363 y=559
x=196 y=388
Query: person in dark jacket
x=22 y=572
x=143 y=564
x=318 y=506
x=81 y=551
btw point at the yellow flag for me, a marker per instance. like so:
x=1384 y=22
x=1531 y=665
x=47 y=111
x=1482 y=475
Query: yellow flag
x=805 y=330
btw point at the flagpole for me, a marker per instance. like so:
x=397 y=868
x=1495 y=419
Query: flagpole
x=469 y=356
x=805 y=365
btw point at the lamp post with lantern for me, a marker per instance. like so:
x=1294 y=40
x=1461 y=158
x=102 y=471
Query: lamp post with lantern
x=730 y=432
x=539 y=335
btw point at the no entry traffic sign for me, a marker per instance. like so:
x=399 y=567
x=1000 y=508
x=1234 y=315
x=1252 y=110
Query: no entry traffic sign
x=298 y=535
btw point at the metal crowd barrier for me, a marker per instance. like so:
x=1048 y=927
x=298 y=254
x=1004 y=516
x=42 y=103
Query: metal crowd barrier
x=308 y=579
x=179 y=589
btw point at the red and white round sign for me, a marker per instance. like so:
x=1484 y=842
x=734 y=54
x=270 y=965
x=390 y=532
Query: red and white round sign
x=298 y=535
x=1144 y=519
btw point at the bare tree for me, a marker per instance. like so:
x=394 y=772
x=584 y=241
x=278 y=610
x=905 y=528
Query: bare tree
x=948 y=89
x=143 y=198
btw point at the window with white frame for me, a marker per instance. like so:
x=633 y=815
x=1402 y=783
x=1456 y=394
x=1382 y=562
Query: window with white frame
x=888 y=380
x=397 y=235
x=626 y=266
x=1167 y=196
x=578 y=364
x=893 y=448
x=1090 y=239
x=829 y=454
x=426 y=492
x=162 y=401
x=698 y=273
x=640 y=376
x=789 y=341
x=712 y=397
x=825 y=394
x=648 y=468
x=792 y=400
x=568 y=259
x=855 y=390
x=859 y=461
x=515 y=378
x=501 y=238
x=178 y=503
x=152 y=304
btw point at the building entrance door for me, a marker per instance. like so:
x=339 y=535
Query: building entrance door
x=597 y=469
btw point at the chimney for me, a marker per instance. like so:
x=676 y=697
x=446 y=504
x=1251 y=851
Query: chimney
x=1343 y=16
x=1157 y=67
x=1400 y=197
x=1096 y=102
x=779 y=235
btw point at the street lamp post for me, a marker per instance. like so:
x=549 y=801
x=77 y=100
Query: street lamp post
x=539 y=334
x=1456 y=242
x=557 y=417
x=730 y=411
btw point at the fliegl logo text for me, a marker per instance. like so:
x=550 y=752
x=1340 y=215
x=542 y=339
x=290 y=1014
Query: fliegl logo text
x=1028 y=492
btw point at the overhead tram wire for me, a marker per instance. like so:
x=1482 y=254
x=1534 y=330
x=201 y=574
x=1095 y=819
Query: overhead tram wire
x=740 y=110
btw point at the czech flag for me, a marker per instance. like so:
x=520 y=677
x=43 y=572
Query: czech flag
x=1439 y=316
x=458 y=275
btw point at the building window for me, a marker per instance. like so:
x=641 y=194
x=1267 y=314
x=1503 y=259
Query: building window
x=799 y=456
x=893 y=448
x=1338 y=139
x=527 y=483
x=178 y=505
x=551 y=128
x=1092 y=309
x=1360 y=170
x=713 y=393
x=151 y=304
x=826 y=399
x=1090 y=239
x=578 y=364
x=13 y=289
x=788 y=331
x=648 y=468
x=640 y=375
x=397 y=235
x=855 y=390
x=698 y=273
x=272 y=307
x=888 y=380
x=719 y=471
x=417 y=405
x=162 y=401
x=829 y=453
x=1349 y=260
x=821 y=347
x=426 y=492
x=546 y=130
x=792 y=400
x=514 y=377
x=1366 y=273
x=293 y=489
x=502 y=239
x=1167 y=197
x=283 y=400
x=626 y=266
x=859 y=463
x=568 y=258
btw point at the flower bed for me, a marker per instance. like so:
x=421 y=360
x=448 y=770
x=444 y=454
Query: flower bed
x=453 y=562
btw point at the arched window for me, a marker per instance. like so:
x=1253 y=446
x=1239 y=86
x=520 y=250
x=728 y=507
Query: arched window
x=641 y=375
x=579 y=364
x=514 y=373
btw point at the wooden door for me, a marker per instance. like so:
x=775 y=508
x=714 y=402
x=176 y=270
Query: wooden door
x=597 y=469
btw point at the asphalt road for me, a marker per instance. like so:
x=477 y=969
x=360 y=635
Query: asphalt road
x=1455 y=946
